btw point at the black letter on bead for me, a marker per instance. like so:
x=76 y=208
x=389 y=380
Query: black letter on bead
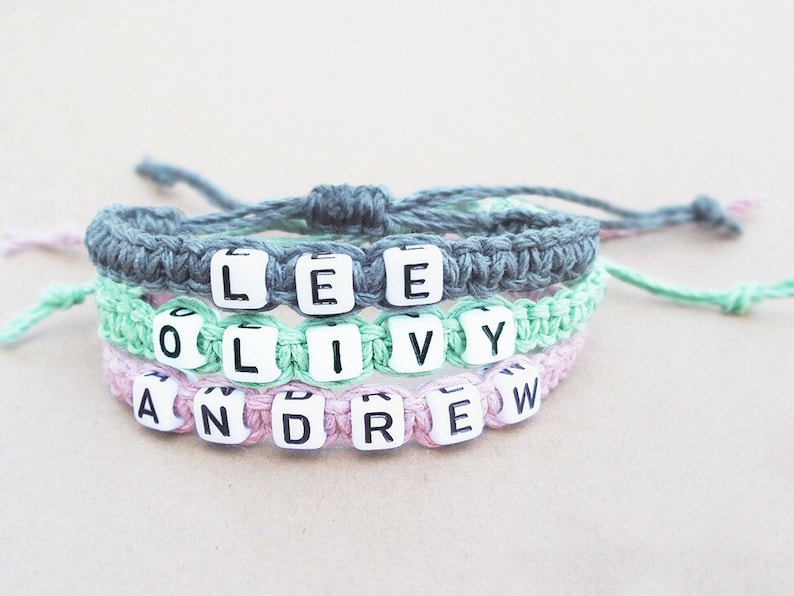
x=177 y=342
x=227 y=286
x=316 y=287
x=286 y=418
x=409 y=281
x=222 y=424
x=238 y=361
x=526 y=396
x=337 y=358
x=420 y=354
x=147 y=410
x=494 y=337
x=453 y=417
x=368 y=428
x=296 y=395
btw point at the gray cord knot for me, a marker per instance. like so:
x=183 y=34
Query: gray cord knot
x=709 y=214
x=356 y=210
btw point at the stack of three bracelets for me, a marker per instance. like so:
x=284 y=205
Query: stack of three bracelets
x=191 y=347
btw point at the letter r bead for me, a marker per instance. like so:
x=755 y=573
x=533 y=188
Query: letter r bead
x=377 y=421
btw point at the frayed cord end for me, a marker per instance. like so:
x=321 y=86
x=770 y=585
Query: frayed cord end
x=159 y=173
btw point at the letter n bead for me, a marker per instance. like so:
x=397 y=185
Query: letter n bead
x=298 y=419
x=153 y=397
x=378 y=421
x=456 y=414
x=238 y=278
x=518 y=385
x=175 y=333
x=219 y=415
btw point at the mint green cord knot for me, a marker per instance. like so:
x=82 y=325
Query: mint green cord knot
x=741 y=299
x=58 y=297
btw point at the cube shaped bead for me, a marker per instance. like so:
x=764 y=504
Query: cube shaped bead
x=218 y=412
x=456 y=414
x=238 y=278
x=378 y=421
x=298 y=420
x=490 y=334
x=519 y=387
x=418 y=343
x=153 y=398
x=249 y=354
x=414 y=275
x=324 y=284
x=335 y=352
x=175 y=333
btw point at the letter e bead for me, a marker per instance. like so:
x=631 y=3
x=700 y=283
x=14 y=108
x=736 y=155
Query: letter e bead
x=456 y=414
x=324 y=284
x=414 y=275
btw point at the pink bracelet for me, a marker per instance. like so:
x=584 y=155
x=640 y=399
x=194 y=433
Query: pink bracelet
x=368 y=416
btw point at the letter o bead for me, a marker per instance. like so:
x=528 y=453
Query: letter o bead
x=175 y=333
x=377 y=421
x=298 y=420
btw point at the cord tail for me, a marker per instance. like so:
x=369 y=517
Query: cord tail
x=736 y=301
x=57 y=297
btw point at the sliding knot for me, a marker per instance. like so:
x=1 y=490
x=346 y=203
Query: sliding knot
x=357 y=210
x=742 y=298
x=709 y=214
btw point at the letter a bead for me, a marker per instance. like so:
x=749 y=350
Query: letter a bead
x=378 y=421
x=153 y=397
x=456 y=414
x=324 y=284
x=490 y=334
x=237 y=278
x=218 y=412
x=175 y=333
x=298 y=419
x=414 y=275
x=519 y=387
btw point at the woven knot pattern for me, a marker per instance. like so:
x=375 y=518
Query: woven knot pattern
x=345 y=209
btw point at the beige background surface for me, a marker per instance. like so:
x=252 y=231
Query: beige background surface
x=662 y=465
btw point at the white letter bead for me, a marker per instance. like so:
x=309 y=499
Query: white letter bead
x=324 y=284
x=519 y=387
x=298 y=419
x=334 y=352
x=153 y=397
x=218 y=412
x=237 y=278
x=456 y=414
x=418 y=343
x=249 y=354
x=175 y=335
x=414 y=275
x=378 y=421
x=490 y=334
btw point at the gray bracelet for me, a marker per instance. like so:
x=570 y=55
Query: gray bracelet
x=408 y=261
